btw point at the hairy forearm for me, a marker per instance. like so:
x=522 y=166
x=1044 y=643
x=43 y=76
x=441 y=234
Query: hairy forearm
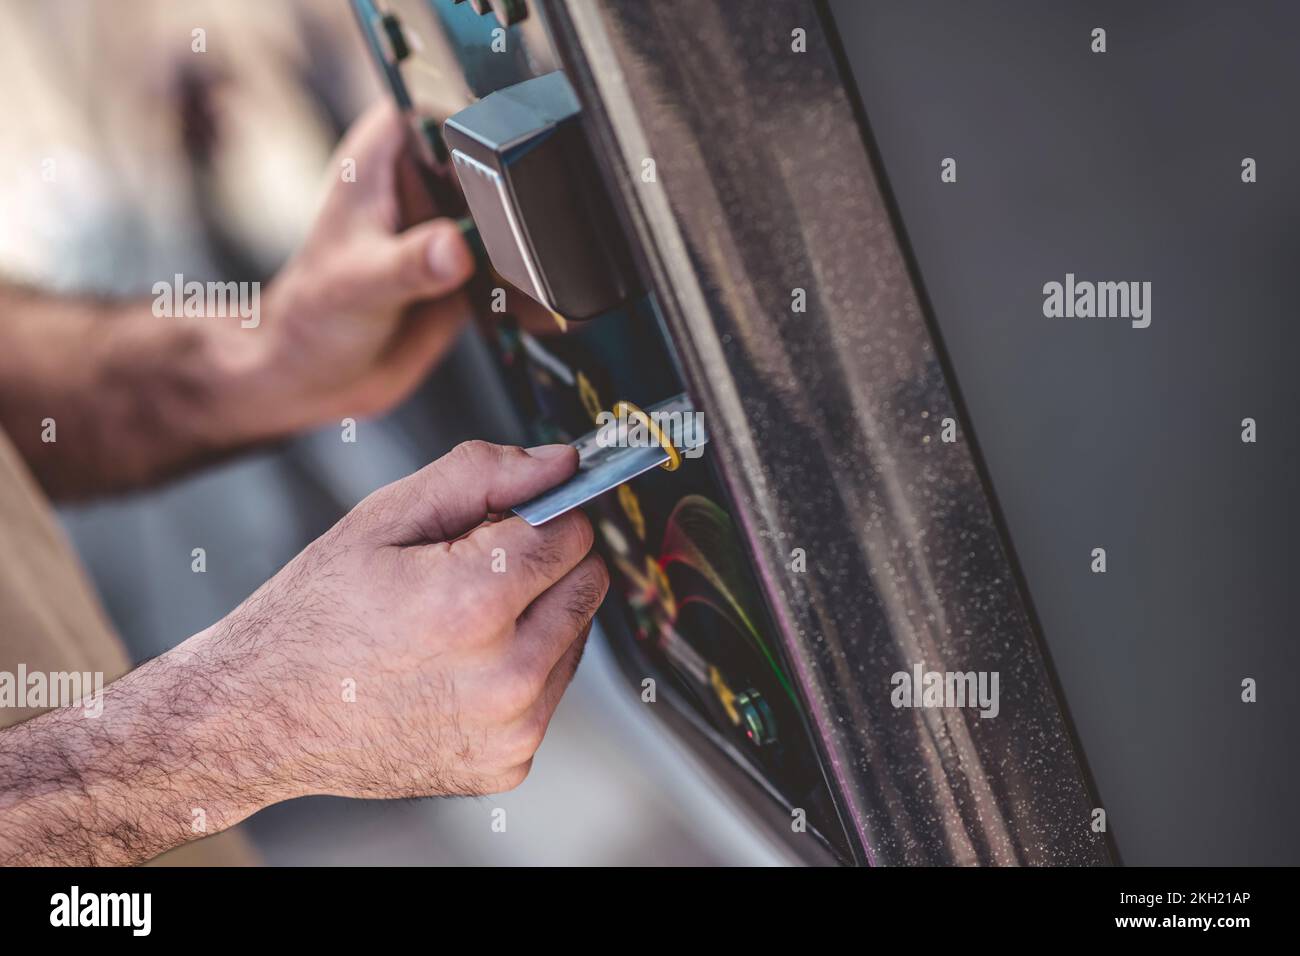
x=105 y=396
x=178 y=752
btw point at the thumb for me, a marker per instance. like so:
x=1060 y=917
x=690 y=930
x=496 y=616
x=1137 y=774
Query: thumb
x=427 y=261
x=454 y=494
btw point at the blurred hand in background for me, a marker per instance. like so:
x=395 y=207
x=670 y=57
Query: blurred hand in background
x=364 y=309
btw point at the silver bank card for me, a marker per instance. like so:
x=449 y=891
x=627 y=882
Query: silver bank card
x=603 y=464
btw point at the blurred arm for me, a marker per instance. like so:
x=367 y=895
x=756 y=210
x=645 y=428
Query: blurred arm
x=102 y=396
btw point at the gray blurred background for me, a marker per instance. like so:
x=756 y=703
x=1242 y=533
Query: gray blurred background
x=1126 y=166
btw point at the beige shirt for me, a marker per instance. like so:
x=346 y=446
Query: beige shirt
x=51 y=619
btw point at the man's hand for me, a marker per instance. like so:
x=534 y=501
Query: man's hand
x=108 y=396
x=357 y=318
x=417 y=648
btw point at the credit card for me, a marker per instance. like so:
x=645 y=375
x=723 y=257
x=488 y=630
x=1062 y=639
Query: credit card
x=604 y=464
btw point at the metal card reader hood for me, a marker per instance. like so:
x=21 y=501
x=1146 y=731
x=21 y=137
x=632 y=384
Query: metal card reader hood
x=537 y=197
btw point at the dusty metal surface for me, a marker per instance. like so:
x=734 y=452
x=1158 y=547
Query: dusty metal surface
x=828 y=422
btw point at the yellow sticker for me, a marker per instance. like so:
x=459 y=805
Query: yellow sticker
x=632 y=508
x=725 y=695
x=663 y=588
x=590 y=400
